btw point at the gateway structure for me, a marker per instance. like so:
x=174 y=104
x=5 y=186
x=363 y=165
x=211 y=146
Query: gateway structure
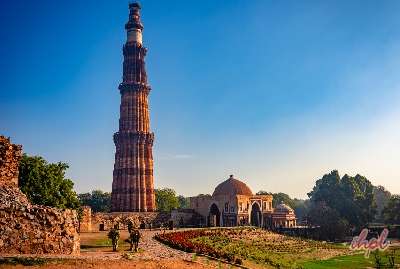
x=233 y=203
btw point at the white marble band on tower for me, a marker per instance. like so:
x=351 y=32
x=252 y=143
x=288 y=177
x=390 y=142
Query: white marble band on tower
x=134 y=35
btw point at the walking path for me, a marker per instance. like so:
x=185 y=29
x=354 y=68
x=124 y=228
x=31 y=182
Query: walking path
x=155 y=250
x=96 y=252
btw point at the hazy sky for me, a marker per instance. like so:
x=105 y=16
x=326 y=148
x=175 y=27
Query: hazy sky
x=277 y=93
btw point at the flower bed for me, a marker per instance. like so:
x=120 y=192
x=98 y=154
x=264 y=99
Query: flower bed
x=250 y=245
x=185 y=241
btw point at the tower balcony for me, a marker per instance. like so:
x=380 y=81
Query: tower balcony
x=134 y=86
x=141 y=137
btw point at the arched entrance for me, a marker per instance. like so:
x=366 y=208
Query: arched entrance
x=255 y=218
x=214 y=216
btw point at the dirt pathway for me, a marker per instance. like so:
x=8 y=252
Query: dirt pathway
x=96 y=253
x=155 y=250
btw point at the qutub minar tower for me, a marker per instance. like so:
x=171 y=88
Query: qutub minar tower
x=133 y=186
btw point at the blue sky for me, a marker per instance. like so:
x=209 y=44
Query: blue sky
x=275 y=92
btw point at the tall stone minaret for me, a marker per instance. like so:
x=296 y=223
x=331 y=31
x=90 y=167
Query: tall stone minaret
x=133 y=186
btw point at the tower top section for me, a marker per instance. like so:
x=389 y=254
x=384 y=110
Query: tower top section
x=134 y=17
x=134 y=26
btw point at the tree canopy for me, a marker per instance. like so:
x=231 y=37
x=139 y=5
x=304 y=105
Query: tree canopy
x=166 y=199
x=351 y=197
x=332 y=225
x=183 y=201
x=381 y=199
x=45 y=183
x=279 y=198
x=391 y=213
x=98 y=200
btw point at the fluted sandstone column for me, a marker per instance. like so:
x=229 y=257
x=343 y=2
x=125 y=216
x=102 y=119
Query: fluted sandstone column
x=133 y=186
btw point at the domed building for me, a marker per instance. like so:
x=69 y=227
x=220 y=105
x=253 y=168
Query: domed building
x=233 y=203
x=283 y=216
x=232 y=186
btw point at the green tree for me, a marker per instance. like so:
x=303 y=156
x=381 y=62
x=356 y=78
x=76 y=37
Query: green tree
x=281 y=197
x=301 y=208
x=184 y=202
x=391 y=213
x=98 y=200
x=326 y=189
x=381 y=199
x=332 y=226
x=351 y=197
x=166 y=199
x=45 y=183
x=113 y=235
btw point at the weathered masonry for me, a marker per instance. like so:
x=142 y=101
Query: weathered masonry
x=27 y=228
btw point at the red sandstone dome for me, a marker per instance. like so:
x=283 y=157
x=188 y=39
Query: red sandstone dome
x=232 y=186
x=283 y=208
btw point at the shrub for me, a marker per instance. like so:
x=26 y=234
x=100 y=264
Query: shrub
x=113 y=235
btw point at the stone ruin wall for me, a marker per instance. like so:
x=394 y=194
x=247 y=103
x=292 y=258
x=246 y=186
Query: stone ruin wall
x=156 y=219
x=27 y=228
x=201 y=204
x=187 y=218
x=105 y=221
x=85 y=223
x=10 y=155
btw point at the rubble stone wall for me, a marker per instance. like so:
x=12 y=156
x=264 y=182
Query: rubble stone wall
x=10 y=155
x=85 y=224
x=106 y=221
x=187 y=218
x=27 y=228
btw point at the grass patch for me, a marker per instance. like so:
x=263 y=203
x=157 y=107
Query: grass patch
x=102 y=243
x=26 y=261
x=350 y=261
x=357 y=261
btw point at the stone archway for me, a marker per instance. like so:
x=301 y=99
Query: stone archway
x=214 y=216
x=255 y=217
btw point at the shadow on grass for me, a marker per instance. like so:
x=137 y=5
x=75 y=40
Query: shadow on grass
x=26 y=261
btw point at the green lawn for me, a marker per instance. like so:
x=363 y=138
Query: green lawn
x=357 y=261
x=351 y=261
x=256 y=248
x=90 y=241
x=261 y=248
